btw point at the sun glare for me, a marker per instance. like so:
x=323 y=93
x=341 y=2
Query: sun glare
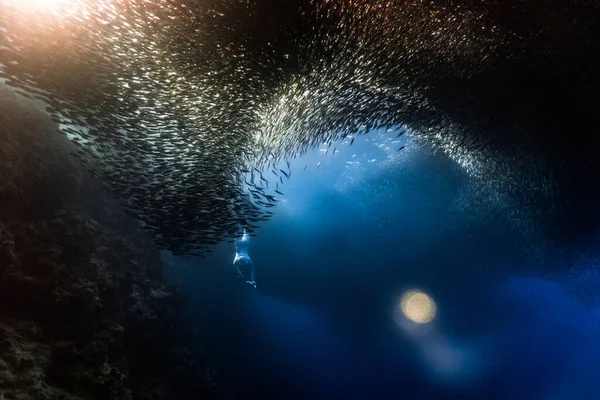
x=33 y=5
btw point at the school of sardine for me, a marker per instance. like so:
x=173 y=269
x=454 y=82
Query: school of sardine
x=186 y=110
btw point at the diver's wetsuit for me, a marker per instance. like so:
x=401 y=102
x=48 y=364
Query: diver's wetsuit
x=242 y=261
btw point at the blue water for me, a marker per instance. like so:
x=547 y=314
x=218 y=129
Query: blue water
x=514 y=321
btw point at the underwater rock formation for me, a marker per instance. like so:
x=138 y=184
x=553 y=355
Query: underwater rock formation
x=85 y=312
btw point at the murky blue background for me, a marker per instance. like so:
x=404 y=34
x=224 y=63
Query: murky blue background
x=516 y=318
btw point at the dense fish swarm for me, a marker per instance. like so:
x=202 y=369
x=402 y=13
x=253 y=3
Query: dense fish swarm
x=180 y=105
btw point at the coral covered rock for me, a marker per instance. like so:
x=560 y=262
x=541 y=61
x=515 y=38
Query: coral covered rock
x=84 y=310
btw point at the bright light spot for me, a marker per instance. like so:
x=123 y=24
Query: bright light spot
x=38 y=4
x=418 y=306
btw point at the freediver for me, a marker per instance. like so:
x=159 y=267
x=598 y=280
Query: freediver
x=242 y=261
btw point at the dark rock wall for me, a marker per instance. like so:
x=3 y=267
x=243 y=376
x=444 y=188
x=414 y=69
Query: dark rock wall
x=85 y=312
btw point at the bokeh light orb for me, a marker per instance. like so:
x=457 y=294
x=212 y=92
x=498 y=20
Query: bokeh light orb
x=418 y=306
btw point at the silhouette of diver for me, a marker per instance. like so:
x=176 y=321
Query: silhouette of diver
x=242 y=261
